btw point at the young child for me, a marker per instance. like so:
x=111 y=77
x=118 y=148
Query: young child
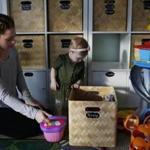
x=68 y=72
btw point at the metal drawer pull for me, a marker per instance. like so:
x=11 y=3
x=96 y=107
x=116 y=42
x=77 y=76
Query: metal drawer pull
x=28 y=74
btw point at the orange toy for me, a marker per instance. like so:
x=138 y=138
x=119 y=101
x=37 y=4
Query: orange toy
x=140 y=133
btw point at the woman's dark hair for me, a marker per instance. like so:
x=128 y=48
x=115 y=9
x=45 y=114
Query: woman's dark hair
x=6 y=22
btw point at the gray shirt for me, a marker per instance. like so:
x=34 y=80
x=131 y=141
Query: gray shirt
x=11 y=79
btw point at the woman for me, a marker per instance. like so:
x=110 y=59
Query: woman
x=19 y=118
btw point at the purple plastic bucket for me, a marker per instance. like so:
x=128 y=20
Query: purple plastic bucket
x=54 y=132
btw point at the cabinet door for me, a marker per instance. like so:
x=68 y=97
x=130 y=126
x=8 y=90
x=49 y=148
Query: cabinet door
x=117 y=79
x=36 y=82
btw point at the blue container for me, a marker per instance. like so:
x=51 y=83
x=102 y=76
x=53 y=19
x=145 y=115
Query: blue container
x=144 y=54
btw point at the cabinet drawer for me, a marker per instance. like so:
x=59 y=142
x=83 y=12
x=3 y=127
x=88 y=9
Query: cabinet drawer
x=113 y=78
x=36 y=82
x=116 y=79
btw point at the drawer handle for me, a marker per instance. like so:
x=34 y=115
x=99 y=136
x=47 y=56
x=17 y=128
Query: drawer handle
x=92 y=109
x=26 y=5
x=65 y=43
x=64 y=4
x=146 y=4
x=110 y=74
x=28 y=74
x=28 y=43
x=109 y=7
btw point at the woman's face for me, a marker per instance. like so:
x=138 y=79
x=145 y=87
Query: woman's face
x=7 y=40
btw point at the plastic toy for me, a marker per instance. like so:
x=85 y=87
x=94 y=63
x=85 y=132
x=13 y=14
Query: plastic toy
x=140 y=133
x=140 y=79
x=54 y=131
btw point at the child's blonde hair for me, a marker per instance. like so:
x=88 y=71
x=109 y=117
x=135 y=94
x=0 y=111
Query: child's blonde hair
x=79 y=44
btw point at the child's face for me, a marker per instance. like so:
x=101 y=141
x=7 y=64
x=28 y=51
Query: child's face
x=76 y=57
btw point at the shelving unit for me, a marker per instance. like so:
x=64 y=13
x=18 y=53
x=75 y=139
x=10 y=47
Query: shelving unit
x=112 y=46
x=44 y=29
x=111 y=27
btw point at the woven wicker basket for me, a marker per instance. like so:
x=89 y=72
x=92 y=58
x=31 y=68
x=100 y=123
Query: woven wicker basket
x=65 y=15
x=31 y=51
x=92 y=120
x=28 y=15
x=103 y=21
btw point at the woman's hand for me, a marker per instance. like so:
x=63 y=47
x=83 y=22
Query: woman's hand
x=42 y=116
x=76 y=85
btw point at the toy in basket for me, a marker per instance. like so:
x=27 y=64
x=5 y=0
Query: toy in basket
x=54 y=132
x=140 y=133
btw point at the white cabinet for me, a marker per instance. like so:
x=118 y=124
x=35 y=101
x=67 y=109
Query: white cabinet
x=114 y=28
x=115 y=78
x=37 y=84
x=111 y=27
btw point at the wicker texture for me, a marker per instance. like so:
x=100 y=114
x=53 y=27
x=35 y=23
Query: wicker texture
x=141 y=16
x=113 y=22
x=68 y=19
x=95 y=132
x=28 y=19
x=32 y=57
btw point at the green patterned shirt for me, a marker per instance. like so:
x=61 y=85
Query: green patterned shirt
x=67 y=73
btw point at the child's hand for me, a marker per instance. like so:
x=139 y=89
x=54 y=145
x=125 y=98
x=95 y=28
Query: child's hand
x=54 y=85
x=76 y=85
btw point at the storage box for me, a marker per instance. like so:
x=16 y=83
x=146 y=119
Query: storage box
x=31 y=49
x=140 y=16
x=65 y=15
x=109 y=15
x=92 y=116
x=28 y=15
